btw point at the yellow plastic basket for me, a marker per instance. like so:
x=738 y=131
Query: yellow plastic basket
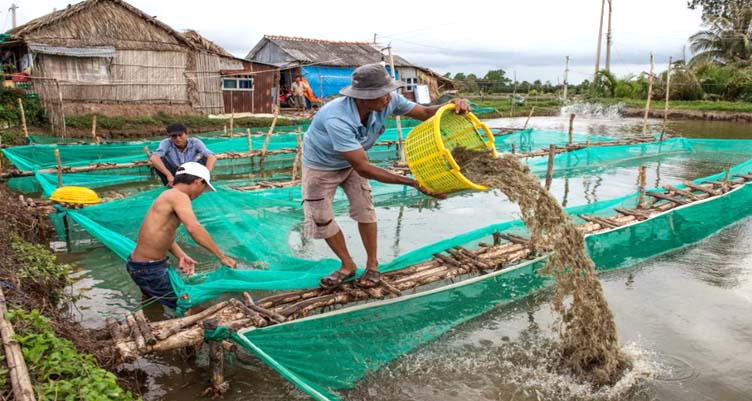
x=75 y=195
x=428 y=149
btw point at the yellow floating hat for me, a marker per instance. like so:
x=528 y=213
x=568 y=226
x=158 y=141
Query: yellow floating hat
x=75 y=195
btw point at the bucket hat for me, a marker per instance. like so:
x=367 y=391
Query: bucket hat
x=370 y=81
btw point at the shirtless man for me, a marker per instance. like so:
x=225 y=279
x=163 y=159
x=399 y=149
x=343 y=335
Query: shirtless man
x=148 y=264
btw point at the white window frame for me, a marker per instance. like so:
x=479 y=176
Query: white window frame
x=410 y=84
x=237 y=80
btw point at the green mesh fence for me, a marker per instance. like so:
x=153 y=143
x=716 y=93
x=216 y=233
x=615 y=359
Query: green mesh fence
x=328 y=353
x=42 y=157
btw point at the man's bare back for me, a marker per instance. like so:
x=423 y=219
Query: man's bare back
x=157 y=232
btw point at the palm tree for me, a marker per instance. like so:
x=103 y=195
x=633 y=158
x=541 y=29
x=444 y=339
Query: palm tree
x=727 y=39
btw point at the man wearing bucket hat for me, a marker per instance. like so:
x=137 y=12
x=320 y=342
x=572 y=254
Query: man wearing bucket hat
x=148 y=264
x=177 y=149
x=334 y=155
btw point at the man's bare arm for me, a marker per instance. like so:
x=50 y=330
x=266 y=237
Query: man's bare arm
x=359 y=161
x=211 y=160
x=181 y=204
x=176 y=250
x=423 y=113
x=156 y=161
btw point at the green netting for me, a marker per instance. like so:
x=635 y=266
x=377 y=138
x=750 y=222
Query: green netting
x=42 y=157
x=330 y=352
x=269 y=216
x=327 y=353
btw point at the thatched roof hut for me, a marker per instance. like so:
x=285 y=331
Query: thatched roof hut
x=106 y=56
x=328 y=64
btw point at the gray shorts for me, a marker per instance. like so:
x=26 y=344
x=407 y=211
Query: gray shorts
x=299 y=101
x=319 y=187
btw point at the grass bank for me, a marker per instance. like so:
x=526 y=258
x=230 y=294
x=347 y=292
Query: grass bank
x=689 y=105
x=64 y=360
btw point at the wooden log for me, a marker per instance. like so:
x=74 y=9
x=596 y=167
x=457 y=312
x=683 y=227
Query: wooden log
x=571 y=129
x=639 y=214
x=136 y=333
x=550 y=166
x=708 y=190
x=265 y=312
x=144 y=327
x=19 y=374
x=24 y=128
x=663 y=196
x=254 y=316
x=168 y=328
x=682 y=192
x=216 y=363
x=642 y=182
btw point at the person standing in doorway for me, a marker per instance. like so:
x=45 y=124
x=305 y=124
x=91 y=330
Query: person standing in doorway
x=298 y=89
x=178 y=149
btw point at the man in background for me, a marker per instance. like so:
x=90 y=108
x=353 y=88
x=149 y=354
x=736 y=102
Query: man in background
x=178 y=149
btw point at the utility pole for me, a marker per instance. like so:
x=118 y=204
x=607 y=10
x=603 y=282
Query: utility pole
x=12 y=9
x=566 y=84
x=608 y=39
x=397 y=118
x=600 y=37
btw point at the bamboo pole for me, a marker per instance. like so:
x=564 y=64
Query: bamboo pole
x=397 y=119
x=532 y=110
x=268 y=137
x=298 y=156
x=94 y=129
x=59 y=168
x=550 y=167
x=642 y=182
x=224 y=129
x=668 y=97
x=571 y=128
x=726 y=176
x=514 y=150
x=23 y=120
x=650 y=95
x=19 y=375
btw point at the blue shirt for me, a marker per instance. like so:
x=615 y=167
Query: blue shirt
x=336 y=128
x=193 y=148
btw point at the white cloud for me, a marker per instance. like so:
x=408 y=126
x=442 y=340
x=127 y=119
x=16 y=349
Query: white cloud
x=472 y=36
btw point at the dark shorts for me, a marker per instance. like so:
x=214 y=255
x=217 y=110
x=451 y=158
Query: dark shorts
x=154 y=280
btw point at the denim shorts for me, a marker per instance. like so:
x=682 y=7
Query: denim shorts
x=154 y=280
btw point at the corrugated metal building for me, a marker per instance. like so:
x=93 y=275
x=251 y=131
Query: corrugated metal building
x=108 y=57
x=327 y=65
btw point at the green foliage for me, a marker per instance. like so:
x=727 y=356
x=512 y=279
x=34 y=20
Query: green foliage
x=58 y=370
x=34 y=261
x=727 y=38
x=717 y=8
x=9 y=112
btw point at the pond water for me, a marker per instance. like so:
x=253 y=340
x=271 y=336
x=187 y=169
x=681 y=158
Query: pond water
x=685 y=316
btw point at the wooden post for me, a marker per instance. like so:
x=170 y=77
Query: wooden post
x=19 y=375
x=397 y=118
x=298 y=156
x=216 y=362
x=532 y=110
x=232 y=124
x=147 y=151
x=726 y=176
x=23 y=120
x=94 y=129
x=59 y=168
x=550 y=167
x=650 y=94
x=268 y=137
x=514 y=150
x=224 y=128
x=571 y=128
x=643 y=181
x=668 y=97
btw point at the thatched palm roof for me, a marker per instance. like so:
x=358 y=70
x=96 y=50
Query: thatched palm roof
x=61 y=16
x=326 y=52
x=205 y=44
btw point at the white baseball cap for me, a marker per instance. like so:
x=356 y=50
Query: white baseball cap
x=197 y=169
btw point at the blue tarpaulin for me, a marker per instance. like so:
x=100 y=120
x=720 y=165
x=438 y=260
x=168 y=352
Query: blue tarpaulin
x=327 y=81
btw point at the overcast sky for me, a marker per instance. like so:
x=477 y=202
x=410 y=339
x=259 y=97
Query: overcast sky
x=530 y=38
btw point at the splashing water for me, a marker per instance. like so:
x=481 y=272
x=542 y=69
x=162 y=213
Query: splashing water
x=589 y=347
x=594 y=110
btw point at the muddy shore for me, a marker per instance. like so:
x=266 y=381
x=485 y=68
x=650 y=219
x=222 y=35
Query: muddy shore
x=676 y=114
